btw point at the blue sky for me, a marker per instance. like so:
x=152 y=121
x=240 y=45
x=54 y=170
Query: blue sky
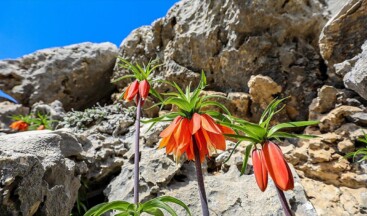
x=30 y=25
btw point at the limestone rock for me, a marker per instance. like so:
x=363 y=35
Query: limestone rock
x=237 y=103
x=263 y=89
x=344 y=34
x=334 y=6
x=356 y=78
x=325 y=101
x=231 y=41
x=336 y=117
x=37 y=176
x=331 y=200
x=359 y=118
x=231 y=194
x=77 y=75
x=322 y=158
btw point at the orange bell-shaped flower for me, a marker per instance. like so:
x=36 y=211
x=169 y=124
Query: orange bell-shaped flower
x=277 y=167
x=131 y=91
x=19 y=125
x=261 y=173
x=144 y=88
x=178 y=137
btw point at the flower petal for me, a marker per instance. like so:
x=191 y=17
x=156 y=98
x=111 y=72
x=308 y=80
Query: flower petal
x=208 y=124
x=260 y=171
x=195 y=123
x=182 y=133
x=277 y=167
x=226 y=130
x=217 y=140
x=144 y=88
x=133 y=90
x=169 y=130
x=126 y=91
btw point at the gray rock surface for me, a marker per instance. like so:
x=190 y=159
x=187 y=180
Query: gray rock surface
x=231 y=194
x=334 y=6
x=356 y=78
x=77 y=75
x=232 y=40
x=37 y=176
x=344 y=34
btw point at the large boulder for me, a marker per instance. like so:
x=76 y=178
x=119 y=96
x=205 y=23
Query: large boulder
x=77 y=75
x=356 y=78
x=232 y=40
x=37 y=176
x=343 y=35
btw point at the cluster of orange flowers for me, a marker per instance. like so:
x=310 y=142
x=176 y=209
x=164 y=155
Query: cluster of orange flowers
x=201 y=130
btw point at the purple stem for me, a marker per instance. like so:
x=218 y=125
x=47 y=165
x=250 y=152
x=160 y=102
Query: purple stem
x=283 y=201
x=199 y=176
x=137 y=155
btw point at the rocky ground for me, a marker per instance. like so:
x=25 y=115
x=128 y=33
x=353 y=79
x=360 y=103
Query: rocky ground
x=252 y=51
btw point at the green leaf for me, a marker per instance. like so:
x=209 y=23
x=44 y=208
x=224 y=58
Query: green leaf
x=105 y=207
x=153 y=211
x=181 y=103
x=183 y=96
x=279 y=134
x=245 y=159
x=269 y=112
x=202 y=80
x=123 y=77
x=214 y=103
x=155 y=94
x=155 y=203
x=233 y=150
x=242 y=138
x=251 y=130
x=176 y=201
x=291 y=125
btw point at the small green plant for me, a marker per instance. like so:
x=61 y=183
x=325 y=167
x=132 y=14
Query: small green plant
x=267 y=157
x=138 y=90
x=362 y=152
x=31 y=122
x=151 y=207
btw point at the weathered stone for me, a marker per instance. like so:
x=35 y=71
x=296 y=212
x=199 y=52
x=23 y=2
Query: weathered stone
x=322 y=159
x=325 y=101
x=331 y=200
x=231 y=194
x=156 y=171
x=36 y=175
x=336 y=117
x=346 y=146
x=356 y=78
x=262 y=90
x=359 y=118
x=344 y=34
x=232 y=40
x=239 y=104
x=77 y=75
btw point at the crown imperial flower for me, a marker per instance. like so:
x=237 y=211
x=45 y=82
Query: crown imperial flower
x=201 y=130
x=19 y=125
